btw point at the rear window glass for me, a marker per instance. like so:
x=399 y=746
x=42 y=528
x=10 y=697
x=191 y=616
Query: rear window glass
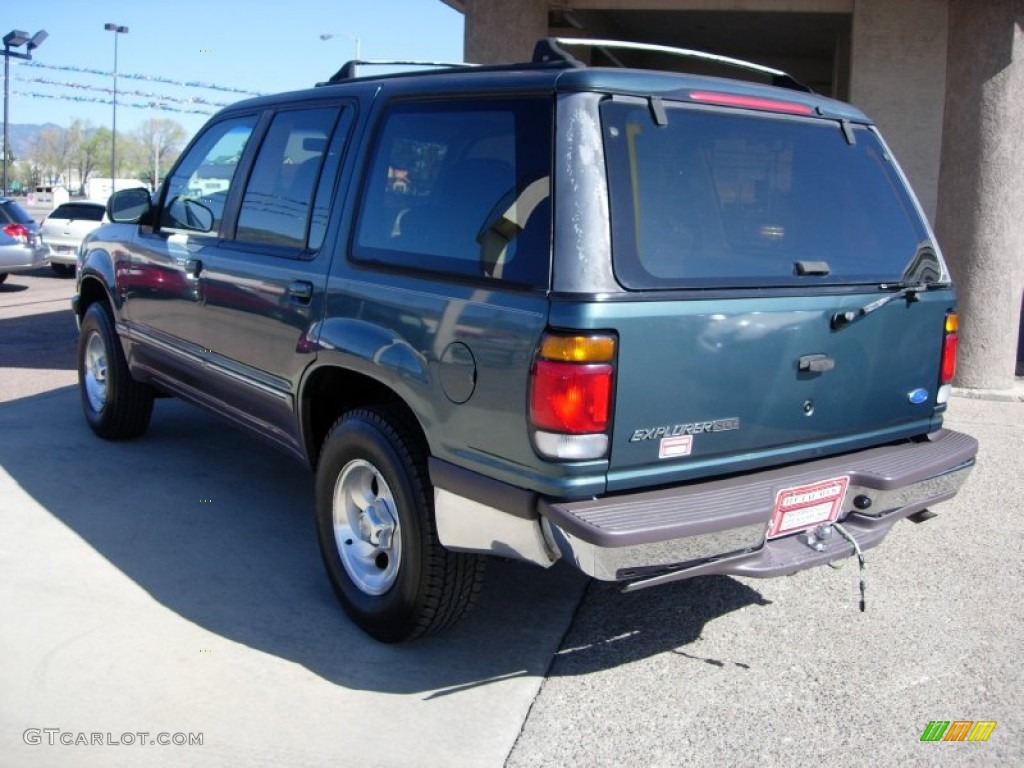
x=78 y=211
x=461 y=188
x=716 y=199
x=12 y=212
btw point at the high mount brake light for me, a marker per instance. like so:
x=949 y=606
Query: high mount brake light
x=750 y=102
x=571 y=395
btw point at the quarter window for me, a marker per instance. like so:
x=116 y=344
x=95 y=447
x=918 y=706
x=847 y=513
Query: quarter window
x=461 y=188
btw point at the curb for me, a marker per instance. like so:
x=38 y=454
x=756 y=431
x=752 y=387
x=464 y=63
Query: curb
x=1014 y=394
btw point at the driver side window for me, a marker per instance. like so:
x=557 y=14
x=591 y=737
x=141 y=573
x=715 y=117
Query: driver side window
x=198 y=189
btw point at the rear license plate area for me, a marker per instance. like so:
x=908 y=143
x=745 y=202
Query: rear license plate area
x=806 y=506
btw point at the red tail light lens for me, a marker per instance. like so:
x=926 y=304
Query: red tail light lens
x=950 y=342
x=571 y=390
x=570 y=397
x=17 y=231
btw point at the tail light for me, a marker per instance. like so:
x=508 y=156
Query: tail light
x=18 y=231
x=571 y=395
x=947 y=368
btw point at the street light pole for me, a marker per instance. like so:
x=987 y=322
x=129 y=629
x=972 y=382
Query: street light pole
x=15 y=39
x=356 y=40
x=117 y=30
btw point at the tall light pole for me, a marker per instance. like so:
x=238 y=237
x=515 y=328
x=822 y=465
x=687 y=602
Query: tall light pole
x=15 y=39
x=353 y=38
x=117 y=30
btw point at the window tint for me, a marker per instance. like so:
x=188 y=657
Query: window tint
x=461 y=188
x=278 y=198
x=78 y=211
x=732 y=200
x=198 y=189
x=14 y=213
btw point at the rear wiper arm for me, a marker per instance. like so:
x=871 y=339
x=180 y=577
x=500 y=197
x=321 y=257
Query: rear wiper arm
x=842 y=319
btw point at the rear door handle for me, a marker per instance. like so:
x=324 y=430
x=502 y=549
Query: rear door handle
x=193 y=267
x=301 y=291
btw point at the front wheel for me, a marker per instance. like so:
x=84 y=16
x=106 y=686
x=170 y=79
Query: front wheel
x=116 y=406
x=375 y=523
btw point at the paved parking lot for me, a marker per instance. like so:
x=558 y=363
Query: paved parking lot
x=172 y=585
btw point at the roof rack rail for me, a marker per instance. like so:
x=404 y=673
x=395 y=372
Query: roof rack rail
x=349 y=70
x=551 y=49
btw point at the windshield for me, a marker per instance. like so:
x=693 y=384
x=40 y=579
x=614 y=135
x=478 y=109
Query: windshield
x=725 y=199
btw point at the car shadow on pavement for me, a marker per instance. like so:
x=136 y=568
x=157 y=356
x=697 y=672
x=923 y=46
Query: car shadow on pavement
x=47 y=340
x=219 y=528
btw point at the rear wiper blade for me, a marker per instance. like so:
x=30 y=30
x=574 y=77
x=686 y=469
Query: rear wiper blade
x=902 y=290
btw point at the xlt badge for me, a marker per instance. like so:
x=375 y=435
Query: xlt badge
x=678 y=430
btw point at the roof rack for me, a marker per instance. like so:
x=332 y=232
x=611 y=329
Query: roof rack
x=349 y=70
x=550 y=50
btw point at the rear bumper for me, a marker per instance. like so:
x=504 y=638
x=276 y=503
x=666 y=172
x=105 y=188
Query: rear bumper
x=720 y=526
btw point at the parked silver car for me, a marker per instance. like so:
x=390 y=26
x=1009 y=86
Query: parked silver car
x=65 y=228
x=21 y=243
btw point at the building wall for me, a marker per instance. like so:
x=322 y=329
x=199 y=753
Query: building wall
x=499 y=31
x=898 y=76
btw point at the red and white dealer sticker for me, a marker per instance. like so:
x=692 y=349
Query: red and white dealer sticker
x=797 y=509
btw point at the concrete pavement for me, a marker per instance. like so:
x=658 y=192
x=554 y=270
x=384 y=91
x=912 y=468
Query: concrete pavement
x=173 y=585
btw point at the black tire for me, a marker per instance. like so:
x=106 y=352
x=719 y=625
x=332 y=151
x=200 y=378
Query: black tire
x=413 y=586
x=62 y=270
x=116 y=406
x=3 y=276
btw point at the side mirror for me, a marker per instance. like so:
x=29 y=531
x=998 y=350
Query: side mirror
x=129 y=206
x=188 y=213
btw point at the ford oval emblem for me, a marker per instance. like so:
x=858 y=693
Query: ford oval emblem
x=918 y=396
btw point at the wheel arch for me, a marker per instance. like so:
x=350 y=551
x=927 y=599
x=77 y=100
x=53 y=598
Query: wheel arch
x=331 y=390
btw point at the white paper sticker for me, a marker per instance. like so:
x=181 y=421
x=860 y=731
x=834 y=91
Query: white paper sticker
x=671 y=447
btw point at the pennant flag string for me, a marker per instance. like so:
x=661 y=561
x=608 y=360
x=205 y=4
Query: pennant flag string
x=134 y=76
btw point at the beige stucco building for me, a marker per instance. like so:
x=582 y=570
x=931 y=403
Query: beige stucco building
x=944 y=79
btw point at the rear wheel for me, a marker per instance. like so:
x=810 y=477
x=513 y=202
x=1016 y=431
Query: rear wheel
x=116 y=406
x=62 y=270
x=375 y=523
x=3 y=276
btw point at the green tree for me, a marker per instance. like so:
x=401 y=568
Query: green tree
x=162 y=141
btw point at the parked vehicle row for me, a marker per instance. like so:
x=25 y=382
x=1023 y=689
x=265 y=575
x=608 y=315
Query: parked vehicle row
x=26 y=244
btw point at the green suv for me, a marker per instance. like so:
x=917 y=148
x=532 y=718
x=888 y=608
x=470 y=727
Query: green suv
x=657 y=325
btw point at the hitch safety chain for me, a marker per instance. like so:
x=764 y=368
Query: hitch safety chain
x=860 y=560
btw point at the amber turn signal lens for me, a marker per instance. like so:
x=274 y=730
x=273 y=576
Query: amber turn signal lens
x=578 y=349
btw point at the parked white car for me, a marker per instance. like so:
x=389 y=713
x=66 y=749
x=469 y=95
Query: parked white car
x=65 y=228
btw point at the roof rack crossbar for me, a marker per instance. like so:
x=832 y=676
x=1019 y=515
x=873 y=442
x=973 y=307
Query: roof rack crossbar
x=350 y=68
x=551 y=49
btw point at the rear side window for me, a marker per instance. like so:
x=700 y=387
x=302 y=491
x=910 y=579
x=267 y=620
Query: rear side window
x=278 y=198
x=731 y=200
x=461 y=188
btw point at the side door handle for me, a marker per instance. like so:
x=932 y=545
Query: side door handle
x=300 y=291
x=193 y=267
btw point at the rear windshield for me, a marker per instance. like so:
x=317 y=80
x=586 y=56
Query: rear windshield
x=725 y=199
x=78 y=211
x=12 y=212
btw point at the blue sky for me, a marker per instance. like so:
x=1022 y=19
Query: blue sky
x=252 y=45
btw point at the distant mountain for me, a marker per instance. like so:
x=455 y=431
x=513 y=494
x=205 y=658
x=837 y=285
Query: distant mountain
x=22 y=135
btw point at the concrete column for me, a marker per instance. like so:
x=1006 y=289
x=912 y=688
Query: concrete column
x=981 y=184
x=504 y=32
x=898 y=60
